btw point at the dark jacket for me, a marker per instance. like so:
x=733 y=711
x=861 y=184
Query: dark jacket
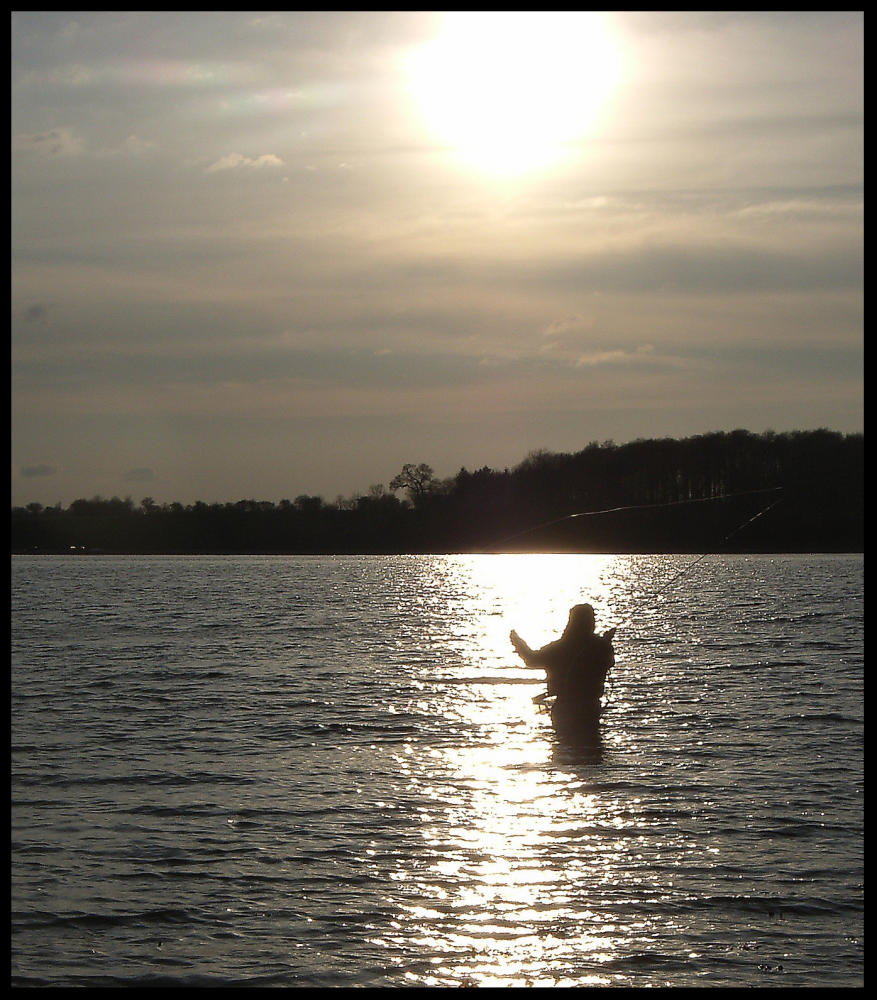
x=576 y=665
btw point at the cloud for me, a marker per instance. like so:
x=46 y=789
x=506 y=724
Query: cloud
x=645 y=352
x=132 y=145
x=63 y=142
x=569 y=324
x=140 y=475
x=234 y=161
x=36 y=471
x=35 y=313
x=60 y=141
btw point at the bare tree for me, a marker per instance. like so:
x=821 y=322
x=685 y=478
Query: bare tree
x=418 y=480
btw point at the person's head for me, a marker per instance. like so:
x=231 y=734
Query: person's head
x=581 y=620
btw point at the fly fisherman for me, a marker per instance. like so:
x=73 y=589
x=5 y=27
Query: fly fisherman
x=576 y=666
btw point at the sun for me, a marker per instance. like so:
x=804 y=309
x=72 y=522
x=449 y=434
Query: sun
x=508 y=92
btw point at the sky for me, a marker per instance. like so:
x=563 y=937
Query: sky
x=259 y=255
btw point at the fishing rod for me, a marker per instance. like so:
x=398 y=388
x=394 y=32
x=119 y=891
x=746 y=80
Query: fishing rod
x=724 y=541
x=672 y=503
x=690 y=566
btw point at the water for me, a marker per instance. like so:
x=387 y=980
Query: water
x=330 y=772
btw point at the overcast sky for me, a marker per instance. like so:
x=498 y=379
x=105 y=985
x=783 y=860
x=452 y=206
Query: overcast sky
x=260 y=255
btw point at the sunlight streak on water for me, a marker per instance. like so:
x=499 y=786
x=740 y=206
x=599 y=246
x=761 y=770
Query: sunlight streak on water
x=509 y=848
x=489 y=594
x=504 y=877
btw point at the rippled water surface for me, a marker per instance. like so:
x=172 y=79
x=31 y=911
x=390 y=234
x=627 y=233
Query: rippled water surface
x=330 y=771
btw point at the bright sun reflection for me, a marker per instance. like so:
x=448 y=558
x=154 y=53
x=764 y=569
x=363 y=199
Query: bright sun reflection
x=508 y=91
x=514 y=851
x=532 y=594
x=505 y=896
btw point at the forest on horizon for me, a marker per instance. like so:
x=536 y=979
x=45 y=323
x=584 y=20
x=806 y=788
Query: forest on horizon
x=736 y=491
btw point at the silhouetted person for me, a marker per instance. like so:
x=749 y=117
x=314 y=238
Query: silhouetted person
x=576 y=666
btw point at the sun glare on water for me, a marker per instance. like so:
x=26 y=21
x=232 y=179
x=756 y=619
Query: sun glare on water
x=509 y=91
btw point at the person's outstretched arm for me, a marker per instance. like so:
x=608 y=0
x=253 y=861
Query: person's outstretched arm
x=530 y=657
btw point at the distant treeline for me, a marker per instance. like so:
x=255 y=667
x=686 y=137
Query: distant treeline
x=710 y=492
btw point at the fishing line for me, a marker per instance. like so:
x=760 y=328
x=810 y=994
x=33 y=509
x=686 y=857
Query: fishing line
x=727 y=538
x=687 y=569
x=651 y=506
x=643 y=506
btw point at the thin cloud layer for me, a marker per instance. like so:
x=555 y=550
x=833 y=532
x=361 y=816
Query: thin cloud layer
x=235 y=161
x=242 y=260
